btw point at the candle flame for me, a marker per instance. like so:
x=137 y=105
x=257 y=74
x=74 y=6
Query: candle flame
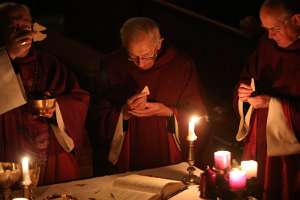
x=195 y=119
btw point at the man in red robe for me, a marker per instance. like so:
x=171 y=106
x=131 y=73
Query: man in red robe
x=22 y=131
x=272 y=137
x=149 y=91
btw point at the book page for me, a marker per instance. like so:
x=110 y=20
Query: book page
x=11 y=90
x=164 y=187
x=128 y=194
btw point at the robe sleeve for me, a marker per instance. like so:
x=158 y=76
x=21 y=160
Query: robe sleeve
x=73 y=101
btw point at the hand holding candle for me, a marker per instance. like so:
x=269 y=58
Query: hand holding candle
x=191 y=135
x=25 y=170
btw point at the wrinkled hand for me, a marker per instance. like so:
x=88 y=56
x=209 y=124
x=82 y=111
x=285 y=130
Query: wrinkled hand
x=18 y=44
x=152 y=109
x=261 y=101
x=244 y=92
x=48 y=113
x=137 y=101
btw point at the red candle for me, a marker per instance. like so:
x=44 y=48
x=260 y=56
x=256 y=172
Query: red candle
x=237 y=179
x=222 y=159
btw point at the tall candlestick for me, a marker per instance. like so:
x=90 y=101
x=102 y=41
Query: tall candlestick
x=25 y=171
x=222 y=159
x=237 y=179
x=191 y=135
x=250 y=167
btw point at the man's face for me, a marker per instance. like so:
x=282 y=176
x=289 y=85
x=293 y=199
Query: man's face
x=279 y=26
x=19 y=22
x=143 y=52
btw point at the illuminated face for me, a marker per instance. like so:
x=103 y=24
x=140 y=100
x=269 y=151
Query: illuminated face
x=143 y=52
x=280 y=26
x=19 y=21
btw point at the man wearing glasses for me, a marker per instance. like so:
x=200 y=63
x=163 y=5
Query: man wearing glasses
x=149 y=92
x=272 y=138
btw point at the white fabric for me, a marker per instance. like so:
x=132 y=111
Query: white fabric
x=62 y=137
x=11 y=88
x=281 y=139
x=117 y=141
x=244 y=120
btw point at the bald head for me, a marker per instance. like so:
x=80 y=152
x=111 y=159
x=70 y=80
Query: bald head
x=139 y=28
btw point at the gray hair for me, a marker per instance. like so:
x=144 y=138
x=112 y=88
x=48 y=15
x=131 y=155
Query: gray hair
x=137 y=26
x=5 y=9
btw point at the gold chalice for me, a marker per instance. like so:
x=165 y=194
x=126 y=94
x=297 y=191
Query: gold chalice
x=10 y=173
x=42 y=105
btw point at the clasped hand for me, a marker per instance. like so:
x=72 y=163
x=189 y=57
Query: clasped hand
x=244 y=93
x=138 y=106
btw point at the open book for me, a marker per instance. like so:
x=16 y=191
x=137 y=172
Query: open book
x=138 y=187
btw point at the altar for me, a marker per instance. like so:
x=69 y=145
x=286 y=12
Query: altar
x=99 y=188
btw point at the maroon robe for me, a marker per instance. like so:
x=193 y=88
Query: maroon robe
x=276 y=72
x=149 y=141
x=22 y=133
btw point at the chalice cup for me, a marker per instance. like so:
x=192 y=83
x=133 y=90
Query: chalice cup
x=10 y=173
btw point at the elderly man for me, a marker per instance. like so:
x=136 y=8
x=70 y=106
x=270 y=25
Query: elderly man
x=149 y=92
x=272 y=129
x=52 y=138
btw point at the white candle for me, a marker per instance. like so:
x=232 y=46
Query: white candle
x=191 y=135
x=237 y=179
x=20 y=198
x=25 y=171
x=222 y=159
x=250 y=167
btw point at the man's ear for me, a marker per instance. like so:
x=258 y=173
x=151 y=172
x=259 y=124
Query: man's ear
x=160 y=43
x=296 y=19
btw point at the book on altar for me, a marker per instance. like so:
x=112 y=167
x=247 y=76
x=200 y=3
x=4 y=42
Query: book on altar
x=136 y=187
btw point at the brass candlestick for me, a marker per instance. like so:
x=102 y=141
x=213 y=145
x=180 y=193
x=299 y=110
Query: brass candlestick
x=191 y=178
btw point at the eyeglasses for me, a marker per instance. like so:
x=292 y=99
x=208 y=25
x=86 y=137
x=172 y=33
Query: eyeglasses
x=144 y=58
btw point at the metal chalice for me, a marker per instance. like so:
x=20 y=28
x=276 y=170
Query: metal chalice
x=10 y=173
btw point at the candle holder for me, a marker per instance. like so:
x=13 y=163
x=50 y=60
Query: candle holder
x=191 y=178
x=10 y=173
x=34 y=173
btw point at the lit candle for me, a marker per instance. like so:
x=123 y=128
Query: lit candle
x=237 y=179
x=191 y=135
x=222 y=159
x=250 y=167
x=25 y=171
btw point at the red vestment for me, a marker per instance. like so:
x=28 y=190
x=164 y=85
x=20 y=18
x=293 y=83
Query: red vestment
x=23 y=133
x=149 y=141
x=276 y=72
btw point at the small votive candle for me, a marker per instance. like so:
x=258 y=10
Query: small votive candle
x=237 y=179
x=222 y=159
x=250 y=167
x=25 y=171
